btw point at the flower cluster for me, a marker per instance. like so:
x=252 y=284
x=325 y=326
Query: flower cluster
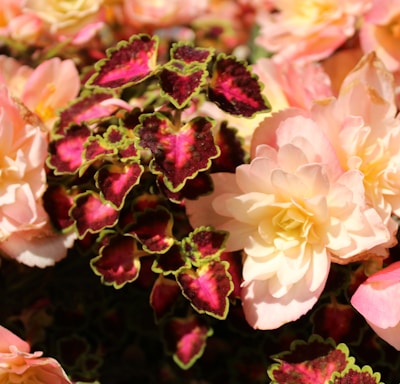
x=236 y=161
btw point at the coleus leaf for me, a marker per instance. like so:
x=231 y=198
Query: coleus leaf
x=235 y=270
x=118 y=262
x=179 y=83
x=314 y=361
x=129 y=63
x=171 y=261
x=204 y=244
x=92 y=214
x=356 y=375
x=231 y=147
x=164 y=295
x=235 y=89
x=58 y=202
x=65 y=153
x=88 y=108
x=207 y=288
x=191 y=55
x=116 y=180
x=185 y=339
x=178 y=154
x=153 y=228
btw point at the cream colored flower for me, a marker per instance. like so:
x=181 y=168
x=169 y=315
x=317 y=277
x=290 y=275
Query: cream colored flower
x=67 y=16
x=291 y=210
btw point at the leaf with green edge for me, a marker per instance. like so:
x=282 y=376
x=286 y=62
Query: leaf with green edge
x=185 y=339
x=235 y=270
x=178 y=155
x=181 y=83
x=118 y=262
x=193 y=188
x=87 y=108
x=231 y=147
x=127 y=64
x=204 y=244
x=164 y=294
x=96 y=148
x=153 y=229
x=207 y=288
x=66 y=153
x=57 y=203
x=189 y=54
x=171 y=261
x=235 y=89
x=313 y=361
x=353 y=374
x=115 y=181
x=92 y=214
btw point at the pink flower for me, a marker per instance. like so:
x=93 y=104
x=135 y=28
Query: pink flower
x=375 y=299
x=362 y=125
x=25 y=233
x=164 y=13
x=19 y=365
x=45 y=89
x=380 y=32
x=292 y=84
x=308 y=31
x=291 y=209
x=65 y=18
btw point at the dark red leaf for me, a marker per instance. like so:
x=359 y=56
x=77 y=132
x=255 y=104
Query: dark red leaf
x=179 y=154
x=204 y=243
x=235 y=89
x=207 y=288
x=129 y=63
x=87 y=108
x=91 y=214
x=118 y=262
x=163 y=296
x=57 y=203
x=185 y=339
x=171 y=261
x=116 y=180
x=65 y=154
x=311 y=362
x=180 y=85
x=190 y=54
x=153 y=228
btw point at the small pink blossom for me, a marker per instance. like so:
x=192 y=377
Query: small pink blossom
x=45 y=89
x=308 y=30
x=19 y=365
x=376 y=300
x=291 y=209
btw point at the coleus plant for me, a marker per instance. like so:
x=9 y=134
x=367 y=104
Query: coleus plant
x=319 y=361
x=123 y=157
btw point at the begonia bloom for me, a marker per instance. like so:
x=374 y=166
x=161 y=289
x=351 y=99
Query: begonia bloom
x=362 y=125
x=45 y=89
x=308 y=31
x=65 y=17
x=380 y=32
x=376 y=300
x=290 y=210
x=24 y=224
x=19 y=365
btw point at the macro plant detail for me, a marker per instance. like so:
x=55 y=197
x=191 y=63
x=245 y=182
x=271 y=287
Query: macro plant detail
x=199 y=192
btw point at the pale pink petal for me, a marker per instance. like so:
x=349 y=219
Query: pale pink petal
x=263 y=311
x=8 y=338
